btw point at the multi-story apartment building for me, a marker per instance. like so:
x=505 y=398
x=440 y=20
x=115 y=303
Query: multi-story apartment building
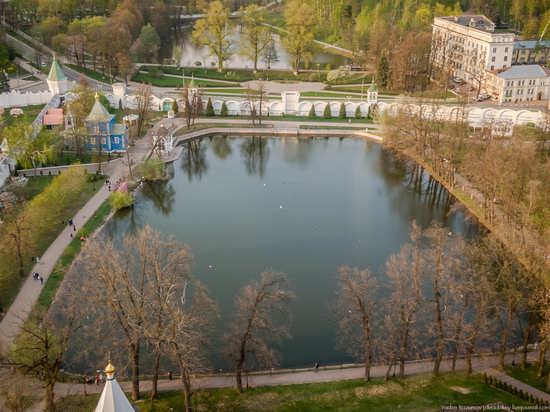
x=468 y=46
x=531 y=52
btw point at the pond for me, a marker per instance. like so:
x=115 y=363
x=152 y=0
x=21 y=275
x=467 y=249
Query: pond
x=296 y=205
x=182 y=45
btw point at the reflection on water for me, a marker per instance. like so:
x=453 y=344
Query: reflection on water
x=301 y=206
x=182 y=45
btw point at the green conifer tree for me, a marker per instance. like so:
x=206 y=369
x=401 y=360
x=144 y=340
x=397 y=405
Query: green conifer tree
x=4 y=82
x=326 y=113
x=358 y=112
x=224 y=111
x=210 y=108
x=342 y=112
x=383 y=72
x=312 y=114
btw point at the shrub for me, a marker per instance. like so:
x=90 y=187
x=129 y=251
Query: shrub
x=120 y=200
x=312 y=114
x=342 y=113
x=224 y=111
x=152 y=169
x=326 y=112
x=210 y=108
x=156 y=73
x=358 y=116
x=336 y=75
x=175 y=106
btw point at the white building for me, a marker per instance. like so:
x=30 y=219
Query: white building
x=112 y=398
x=519 y=84
x=469 y=45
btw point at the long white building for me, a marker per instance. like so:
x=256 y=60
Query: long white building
x=467 y=46
x=522 y=83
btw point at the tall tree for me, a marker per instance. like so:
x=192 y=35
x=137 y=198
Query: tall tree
x=298 y=39
x=405 y=272
x=256 y=35
x=40 y=349
x=261 y=320
x=355 y=305
x=212 y=32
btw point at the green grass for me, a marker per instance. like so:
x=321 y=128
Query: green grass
x=238 y=75
x=56 y=277
x=29 y=114
x=92 y=74
x=166 y=81
x=415 y=393
x=12 y=282
x=16 y=70
x=69 y=158
x=529 y=376
x=34 y=186
x=332 y=94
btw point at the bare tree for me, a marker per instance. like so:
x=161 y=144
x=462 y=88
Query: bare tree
x=40 y=349
x=439 y=261
x=405 y=271
x=188 y=327
x=144 y=95
x=355 y=304
x=261 y=320
x=119 y=286
x=167 y=266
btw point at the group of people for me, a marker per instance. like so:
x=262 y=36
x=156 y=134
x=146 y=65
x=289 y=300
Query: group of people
x=108 y=183
x=36 y=276
x=97 y=379
x=71 y=224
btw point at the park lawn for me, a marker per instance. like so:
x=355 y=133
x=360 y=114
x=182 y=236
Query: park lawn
x=341 y=95
x=529 y=376
x=92 y=74
x=415 y=393
x=238 y=75
x=71 y=252
x=169 y=81
x=16 y=71
x=70 y=158
x=29 y=114
x=12 y=284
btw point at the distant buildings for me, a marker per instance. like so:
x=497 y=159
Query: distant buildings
x=103 y=132
x=468 y=45
x=473 y=49
x=519 y=84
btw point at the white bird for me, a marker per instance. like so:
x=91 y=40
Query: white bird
x=210 y=266
x=280 y=206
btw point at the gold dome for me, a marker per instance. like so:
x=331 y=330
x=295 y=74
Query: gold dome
x=110 y=368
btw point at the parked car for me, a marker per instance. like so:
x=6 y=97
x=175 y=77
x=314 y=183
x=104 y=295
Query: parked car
x=458 y=80
x=482 y=97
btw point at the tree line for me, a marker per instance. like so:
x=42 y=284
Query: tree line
x=512 y=175
x=439 y=296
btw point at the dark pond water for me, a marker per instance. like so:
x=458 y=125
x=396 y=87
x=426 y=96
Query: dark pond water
x=181 y=46
x=300 y=206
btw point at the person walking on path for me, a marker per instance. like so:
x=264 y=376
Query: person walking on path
x=41 y=280
x=316 y=367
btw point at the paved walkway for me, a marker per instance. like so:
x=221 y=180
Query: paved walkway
x=31 y=289
x=295 y=376
x=502 y=377
x=282 y=86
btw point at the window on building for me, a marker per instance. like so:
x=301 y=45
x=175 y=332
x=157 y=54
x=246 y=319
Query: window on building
x=117 y=140
x=92 y=140
x=506 y=50
x=103 y=140
x=494 y=49
x=505 y=58
x=492 y=67
x=493 y=59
